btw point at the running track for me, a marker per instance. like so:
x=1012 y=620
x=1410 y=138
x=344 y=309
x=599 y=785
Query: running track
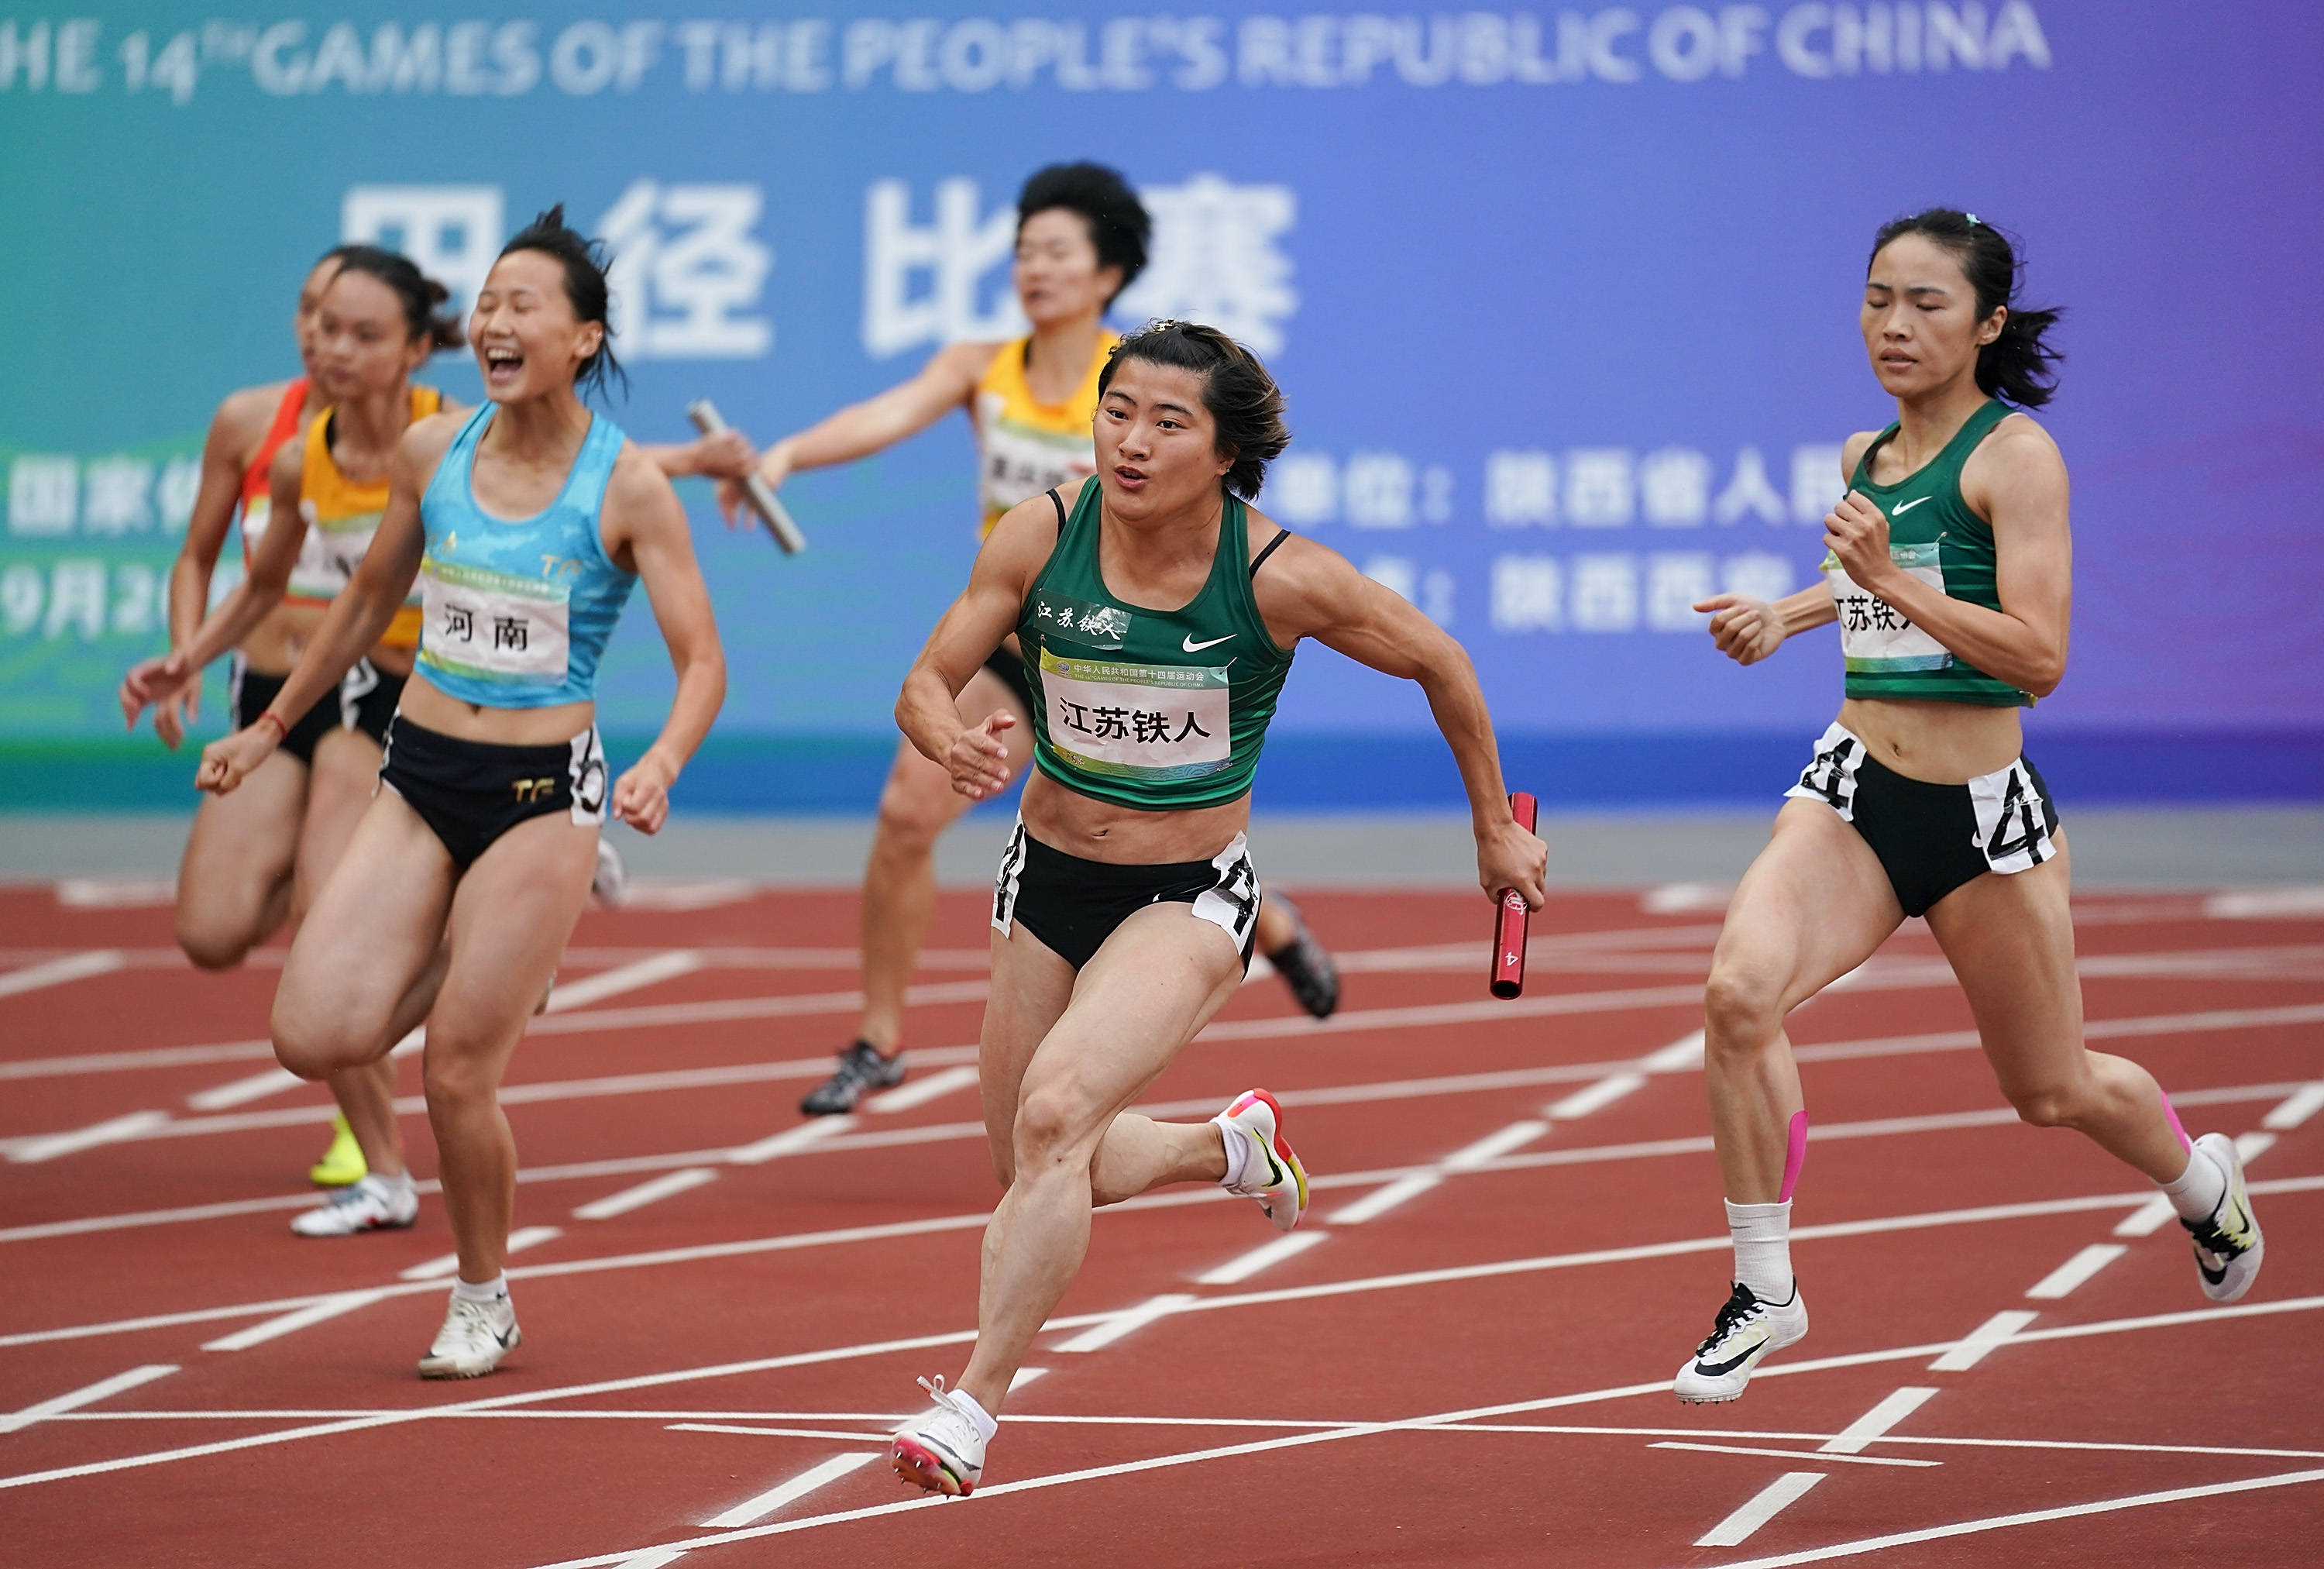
x=1462 y=1358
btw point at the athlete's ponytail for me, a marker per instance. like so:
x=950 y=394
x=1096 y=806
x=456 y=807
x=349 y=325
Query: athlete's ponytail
x=420 y=294
x=1245 y=404
x=584 y=261
x=2018 y=366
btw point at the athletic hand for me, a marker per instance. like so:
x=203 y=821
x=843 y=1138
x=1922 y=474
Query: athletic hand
x=227 y=763
x=174 y=716
x=1857 y=533
x=1746 y=630
x=774 y=468
x=1509 y=857
x=642 y=795
x=979 y=758
x=150 y=681
x=728 y=455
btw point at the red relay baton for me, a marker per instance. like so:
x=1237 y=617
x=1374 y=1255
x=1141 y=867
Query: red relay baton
x=1513 y=921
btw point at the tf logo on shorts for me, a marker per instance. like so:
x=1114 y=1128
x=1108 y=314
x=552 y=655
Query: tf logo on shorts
x=529 y=790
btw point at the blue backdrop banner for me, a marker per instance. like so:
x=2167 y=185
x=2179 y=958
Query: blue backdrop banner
x=1565 y=302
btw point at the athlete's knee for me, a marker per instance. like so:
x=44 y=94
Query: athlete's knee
x=912 y=817
x=2052 y=1105
x=312 y=1042
x=456 y=1080
x=1742 y=1009
x=1052 y=1122
x=208 y=947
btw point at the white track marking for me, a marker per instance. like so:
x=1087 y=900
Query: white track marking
x=2060 y=1282
x=1897 y=1404
x=2250 y=1147
x=922 y=1342
x=879 y=1438
x=630 y=977
x=1493 y=1145
x=920 y=1092
x=113 y=1130
x=1113 y=1327
x=1683 y=1055
x=2033 y=1518
x=59 y=971
x=1983 y=1340
x=241 y=1092
x=290 y=1323
x=116 y=893
x=163 y=1217
x=654 y=1558
x=1686 y=897
x=1819 y=1458
x=1595 y=1097
x=682 y=1180
x=109 y=1062
x=103 y=1389
x=1765 y=1505
x=790 y=1140
x=1236 y=1271
x=1381 y=1200
x=1024 y=1376
x=518 y=1239
x=752 y=1510
x=687 y=893
x=730 y=1009
x=2295 y=1110
x=2265 y=904
x=2148 y=1218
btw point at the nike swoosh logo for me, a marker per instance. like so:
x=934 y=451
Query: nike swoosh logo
x=1904 y=507
x=1191 y=646
x=1717 y=1369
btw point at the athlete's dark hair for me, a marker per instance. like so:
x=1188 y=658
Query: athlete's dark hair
x=1244 y=401
x=584 y=261
x=1117 y=223
x=420 y=294
x=2017 y=366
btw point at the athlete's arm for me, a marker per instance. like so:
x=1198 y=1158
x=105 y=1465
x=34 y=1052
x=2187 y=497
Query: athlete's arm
x=2016 y=481
x=874 y=425
x=1308 y=590
x=358 y=616
x=233 y=430
x=1748 y=630
x=927 y=710
x=645 y=530
x=728 y=455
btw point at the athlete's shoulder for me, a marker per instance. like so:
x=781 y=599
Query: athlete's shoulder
x=422 y=443
x=1852 y=451
x=243 y=417
x=1304 y=583
x=1032 y=525
x=965 y=362
x=2018 y=460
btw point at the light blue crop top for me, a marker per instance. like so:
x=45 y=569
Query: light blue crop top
x=516 y=613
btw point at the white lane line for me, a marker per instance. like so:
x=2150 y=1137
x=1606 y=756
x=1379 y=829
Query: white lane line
x=654 y=1558
x=1983 y=1340
x=2060 y=1282
x=1381 y=1200
x=2265 y=904
x=114 y=1130
x=1493 y=1145
x=1785 y=1454
x=920 y=1092
x=241 y=1092
x=103 y=1389
x=1129 y=1321
x=2295 y=1110
x=2033 y=1518
x=1897 y=1404
x=630 y=977
x=645 y=1193
x=290 y=1323
x=880 y=1438
x=2252 y=1146
x=117 y=893
x=107 y=1062
x=1595 y=1097
x=1234 y=1271
x=789 y=1140
x=751 y=1511
x=1765 y=1505
x=1024 y=1376
x=1680 y=1055
x=2148 y=1218
x=518 y=1239
x=58 y=972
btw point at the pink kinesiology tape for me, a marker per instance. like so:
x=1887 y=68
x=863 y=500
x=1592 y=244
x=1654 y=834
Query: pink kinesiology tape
x=1797 y=1154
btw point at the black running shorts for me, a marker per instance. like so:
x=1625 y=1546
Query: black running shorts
x=1073 y=905
x=471 y=792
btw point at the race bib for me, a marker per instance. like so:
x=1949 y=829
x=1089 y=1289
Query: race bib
x=1875 y=637
x=493 y=626
x=1147 y=722
x=1020 y=461
x=329 y=555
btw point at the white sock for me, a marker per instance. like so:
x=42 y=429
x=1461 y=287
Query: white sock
x=1238 y=1148
x=2197 y=1193
x=399 y=1182
x=986 y=1423
x=1763 y=1248
x=493 y=1290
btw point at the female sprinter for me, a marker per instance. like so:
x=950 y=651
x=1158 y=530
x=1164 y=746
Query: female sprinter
x=1081 y=240
x=376 y=325
x=1948 y=574
x=526 y=523
x=1125 y=906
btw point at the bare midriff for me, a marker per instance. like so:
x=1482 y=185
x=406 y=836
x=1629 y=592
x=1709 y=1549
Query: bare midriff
x=1096 y=830
x=1938 y=743
x=431 y=709
x=275 y=644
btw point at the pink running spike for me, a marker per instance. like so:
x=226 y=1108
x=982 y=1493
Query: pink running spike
x=2171 y=1111
x=1795 y=1155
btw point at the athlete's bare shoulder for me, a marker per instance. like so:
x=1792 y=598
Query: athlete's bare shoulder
x=244 y=417
x=1851 y=453
x=2019 y=462
x=637 y=480
x=1023 y=537
x=421 y=446
x=1305 y=587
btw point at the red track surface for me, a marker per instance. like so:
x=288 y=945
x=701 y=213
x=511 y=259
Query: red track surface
x=1575 y=1269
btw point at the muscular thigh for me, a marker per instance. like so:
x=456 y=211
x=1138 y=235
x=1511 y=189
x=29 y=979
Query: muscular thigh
x=340 y=785
x=2010 y=939
x=1031 y=987
x=511 y=915
x=373 y=926
x=242 y=845
x=1813 y=906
